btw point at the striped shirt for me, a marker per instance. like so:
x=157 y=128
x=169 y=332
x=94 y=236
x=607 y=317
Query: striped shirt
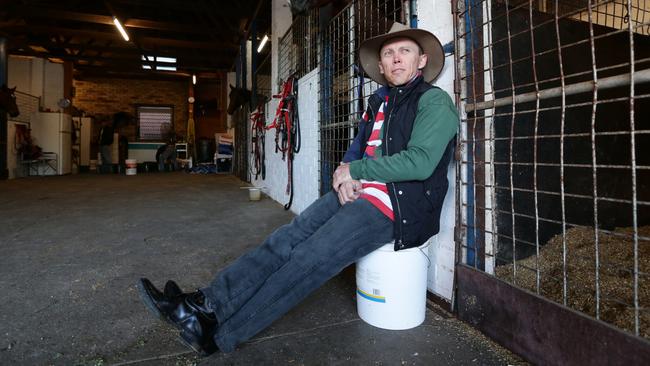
x=374 y=191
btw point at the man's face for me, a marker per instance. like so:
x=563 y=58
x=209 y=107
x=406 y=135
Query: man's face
x=399 y=60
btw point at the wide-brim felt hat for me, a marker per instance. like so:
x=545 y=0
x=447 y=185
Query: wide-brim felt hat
x=431 y=46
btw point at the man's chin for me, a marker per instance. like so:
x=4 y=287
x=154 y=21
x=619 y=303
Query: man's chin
x=395 y=83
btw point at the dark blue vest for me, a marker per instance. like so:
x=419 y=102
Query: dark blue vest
x=416 y=204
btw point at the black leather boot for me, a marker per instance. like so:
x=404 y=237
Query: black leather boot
x=187 y=312
x=196 y=322
x=158 y=302
x=172 y=289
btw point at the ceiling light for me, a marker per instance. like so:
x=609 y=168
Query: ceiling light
x=166 y=59
x=194 y=79
x=166 y=68
x=120 y=28
x=264 y=40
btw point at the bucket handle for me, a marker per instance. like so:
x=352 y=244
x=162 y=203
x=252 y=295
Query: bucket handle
x=425 y=256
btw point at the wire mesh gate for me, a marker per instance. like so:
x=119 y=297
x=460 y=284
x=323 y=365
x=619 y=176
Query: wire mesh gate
x=554 y=184
x=343 y=88
x=298 y=47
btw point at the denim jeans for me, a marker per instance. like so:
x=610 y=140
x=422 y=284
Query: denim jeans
x=168 y=153
x=265 y=283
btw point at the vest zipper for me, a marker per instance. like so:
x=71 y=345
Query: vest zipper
x=399 y=211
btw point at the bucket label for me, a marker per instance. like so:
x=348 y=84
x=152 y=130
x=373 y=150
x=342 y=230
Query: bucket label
x=372 y=297
x=368 y=275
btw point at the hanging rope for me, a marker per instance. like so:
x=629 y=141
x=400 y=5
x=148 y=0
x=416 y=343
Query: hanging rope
x=258 y=130
x=287 y=129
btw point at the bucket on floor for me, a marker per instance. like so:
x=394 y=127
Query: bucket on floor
x=254 y=194
x=392 y=287
x=131 y=166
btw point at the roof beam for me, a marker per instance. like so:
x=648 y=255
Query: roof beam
x=134 y=60
x=144 y=41
x=127 y=69
x=43 y=13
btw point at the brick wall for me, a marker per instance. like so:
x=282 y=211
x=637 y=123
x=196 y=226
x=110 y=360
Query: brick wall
x=103 y=97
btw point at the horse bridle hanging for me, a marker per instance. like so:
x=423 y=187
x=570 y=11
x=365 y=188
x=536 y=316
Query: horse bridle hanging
x=258 y=130
x=287 y=129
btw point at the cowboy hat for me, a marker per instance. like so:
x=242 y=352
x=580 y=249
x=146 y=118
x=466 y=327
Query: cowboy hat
x=369 y=52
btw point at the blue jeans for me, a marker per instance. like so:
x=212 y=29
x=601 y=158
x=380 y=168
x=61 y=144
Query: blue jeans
x=168 y=153
x=265 y=283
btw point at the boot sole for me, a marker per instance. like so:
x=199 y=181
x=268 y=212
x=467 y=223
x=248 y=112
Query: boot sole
x=151 y=306
x=188 y=340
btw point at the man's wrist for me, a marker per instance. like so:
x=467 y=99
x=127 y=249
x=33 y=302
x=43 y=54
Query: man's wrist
x=355 y=169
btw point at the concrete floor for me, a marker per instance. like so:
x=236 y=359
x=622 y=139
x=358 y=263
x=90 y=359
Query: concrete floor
x=73 y=247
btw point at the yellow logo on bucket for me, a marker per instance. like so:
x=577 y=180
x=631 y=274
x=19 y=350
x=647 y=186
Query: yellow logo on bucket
x=371 y=297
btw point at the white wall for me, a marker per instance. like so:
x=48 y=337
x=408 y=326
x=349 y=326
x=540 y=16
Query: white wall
x=52 y=85
x=276 y=169
x=280 y=22
x=26 y=74
x=20 y=73
x=435 y=16
x=249 y=65
x=37 y=77
x=306 y=161
x=305 y=165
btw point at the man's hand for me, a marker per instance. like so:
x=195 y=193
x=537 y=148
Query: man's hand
x=349 y=191
x=342 y=174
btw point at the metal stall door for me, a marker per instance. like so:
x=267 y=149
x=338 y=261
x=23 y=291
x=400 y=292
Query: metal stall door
x=343 y=88
x=554 y=184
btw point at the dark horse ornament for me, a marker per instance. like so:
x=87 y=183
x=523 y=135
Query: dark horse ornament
x=8 y=101
x=238 y=97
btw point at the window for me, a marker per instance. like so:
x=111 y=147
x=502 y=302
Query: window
x=159 y=63
x=155 y=123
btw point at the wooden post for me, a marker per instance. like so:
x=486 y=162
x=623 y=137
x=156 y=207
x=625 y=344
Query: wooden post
x=4 y=173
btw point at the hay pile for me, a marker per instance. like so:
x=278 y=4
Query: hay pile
x=616 y=277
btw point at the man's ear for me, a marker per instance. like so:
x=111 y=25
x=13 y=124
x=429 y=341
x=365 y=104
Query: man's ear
x=423 y=61
x=381 y=68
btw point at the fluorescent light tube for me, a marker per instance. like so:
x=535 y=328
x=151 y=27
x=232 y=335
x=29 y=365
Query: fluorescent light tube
x=166 y=59
x=261 y=46
x=120 y=28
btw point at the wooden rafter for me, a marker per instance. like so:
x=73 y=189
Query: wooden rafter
x=203 y=35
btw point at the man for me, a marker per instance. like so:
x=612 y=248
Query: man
x=390 y=186
x=164 y=153
x=106 y=146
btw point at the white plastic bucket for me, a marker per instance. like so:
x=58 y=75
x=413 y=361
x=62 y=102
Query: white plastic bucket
x=392 y=287
x=131 y=166
x=131 y=163
x=254 y=194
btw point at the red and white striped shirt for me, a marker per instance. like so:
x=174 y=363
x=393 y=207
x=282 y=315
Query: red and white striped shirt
x=373 y=191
